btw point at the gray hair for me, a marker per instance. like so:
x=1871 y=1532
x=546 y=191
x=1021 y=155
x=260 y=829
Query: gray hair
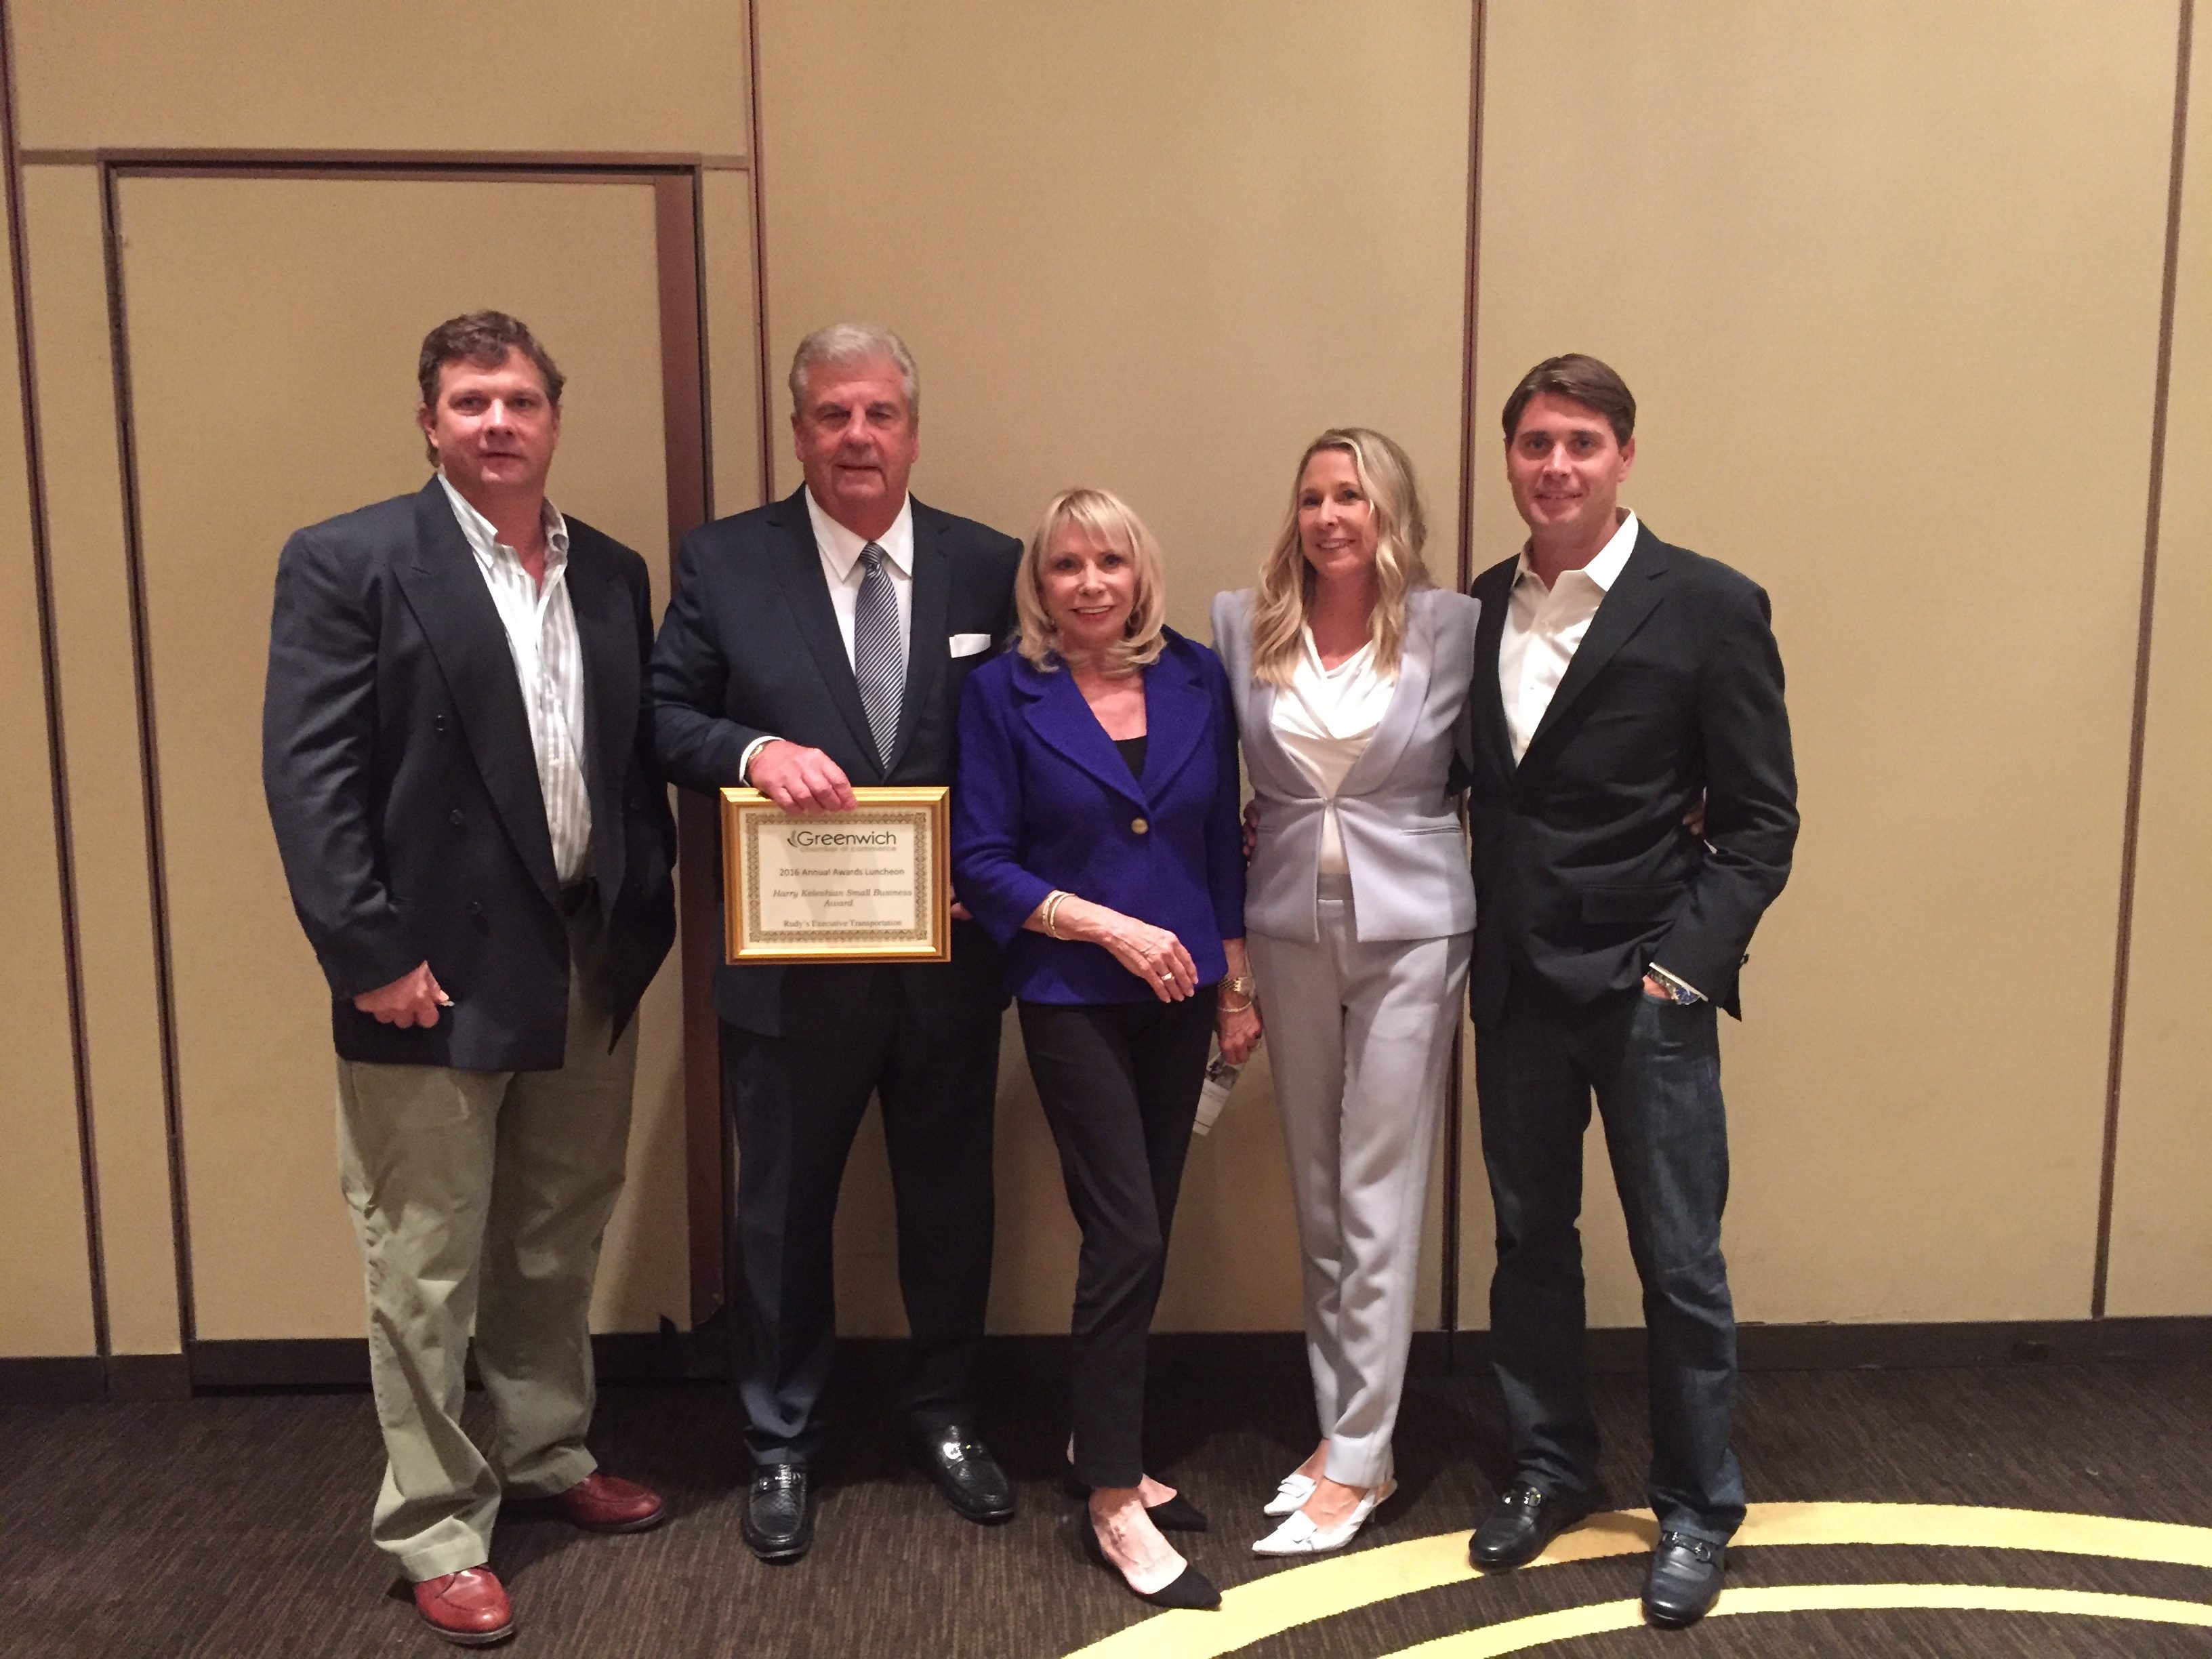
x=844 y=344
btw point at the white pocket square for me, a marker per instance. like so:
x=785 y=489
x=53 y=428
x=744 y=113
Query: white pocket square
x=967 y=645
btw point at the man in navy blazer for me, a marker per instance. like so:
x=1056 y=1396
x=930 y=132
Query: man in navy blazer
x=814 y=644
x=1618 y=682
x=459 y=772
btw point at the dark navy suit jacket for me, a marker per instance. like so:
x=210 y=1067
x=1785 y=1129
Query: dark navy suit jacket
x=1045 y=800
x=403 y=787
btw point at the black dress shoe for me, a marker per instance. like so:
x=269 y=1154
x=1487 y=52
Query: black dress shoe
x=1190 y=1588
x=966 y=1472
x=778 y=1523
x=1525 y=1519
x=1684 y=1579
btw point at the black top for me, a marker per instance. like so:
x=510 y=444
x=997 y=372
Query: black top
x=1133 y=751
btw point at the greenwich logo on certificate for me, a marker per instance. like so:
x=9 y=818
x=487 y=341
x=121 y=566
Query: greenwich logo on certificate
x=869 y=885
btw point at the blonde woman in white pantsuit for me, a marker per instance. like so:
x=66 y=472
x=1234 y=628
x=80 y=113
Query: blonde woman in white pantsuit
x=1350 y=672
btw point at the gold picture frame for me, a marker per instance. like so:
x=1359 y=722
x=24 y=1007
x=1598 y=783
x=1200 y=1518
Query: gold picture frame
x=874 y=885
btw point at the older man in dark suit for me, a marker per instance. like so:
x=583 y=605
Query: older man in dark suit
x=813 y=644
x=461 y=774
x=1618 y=682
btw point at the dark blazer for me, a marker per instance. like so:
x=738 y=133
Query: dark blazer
x=1045 y=800
x=750 y=648
x=1584 y=874
x=396 y=756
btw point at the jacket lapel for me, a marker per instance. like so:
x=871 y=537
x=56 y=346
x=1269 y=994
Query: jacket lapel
x=1056 y=712
x=455 y=612
x=1416 y=655
x=1264 y=751
x=806 y=589
x=927 y=641
x=1628 y=604
x=1176 y=718
x=606 y=630
x=1485 y=703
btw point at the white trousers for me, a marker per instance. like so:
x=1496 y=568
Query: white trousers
x=1360 y=1037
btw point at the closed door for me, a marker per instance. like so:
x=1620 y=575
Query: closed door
x=272 y=326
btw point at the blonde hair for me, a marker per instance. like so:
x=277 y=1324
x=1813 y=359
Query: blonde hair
x=1286 y=580
x=1108 y=520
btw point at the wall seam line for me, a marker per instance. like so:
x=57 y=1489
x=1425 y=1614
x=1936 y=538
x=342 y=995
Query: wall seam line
x=760 y=252
x=2131 y=822
x=1463 y=572
x=50 y=666
x=150 y=768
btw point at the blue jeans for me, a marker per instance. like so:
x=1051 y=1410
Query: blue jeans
x=1655 y=1068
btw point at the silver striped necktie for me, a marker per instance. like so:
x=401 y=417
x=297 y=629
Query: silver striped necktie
x=879 y=656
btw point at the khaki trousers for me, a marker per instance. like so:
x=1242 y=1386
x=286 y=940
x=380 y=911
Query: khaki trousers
x=480 y=1199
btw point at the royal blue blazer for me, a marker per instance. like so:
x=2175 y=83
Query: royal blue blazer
x=1043 y=799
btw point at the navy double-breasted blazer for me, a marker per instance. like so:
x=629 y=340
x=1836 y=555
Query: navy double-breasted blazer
x=1044 y=800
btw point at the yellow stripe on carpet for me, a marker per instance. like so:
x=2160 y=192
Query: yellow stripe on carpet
x=1538 y=1630
x=1337 y=1585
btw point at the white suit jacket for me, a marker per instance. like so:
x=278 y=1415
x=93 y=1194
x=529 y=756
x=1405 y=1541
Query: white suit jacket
x=1402 y=844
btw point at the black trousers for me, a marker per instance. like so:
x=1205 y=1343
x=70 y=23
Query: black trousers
x=1120 y=1084
x=794 y=1107
x=1656 y=1070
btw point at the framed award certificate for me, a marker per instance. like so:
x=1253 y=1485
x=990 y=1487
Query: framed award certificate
x=870 y=885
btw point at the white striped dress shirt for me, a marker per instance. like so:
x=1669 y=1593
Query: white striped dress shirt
x=549 y=666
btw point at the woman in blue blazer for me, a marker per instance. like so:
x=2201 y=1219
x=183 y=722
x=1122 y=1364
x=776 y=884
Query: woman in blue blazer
x=1351 y=674
x=1095 y=835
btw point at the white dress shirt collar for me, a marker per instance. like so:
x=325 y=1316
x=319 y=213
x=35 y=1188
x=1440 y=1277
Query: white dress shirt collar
x=1603 y=570
x=483 y=536
x=842 y=549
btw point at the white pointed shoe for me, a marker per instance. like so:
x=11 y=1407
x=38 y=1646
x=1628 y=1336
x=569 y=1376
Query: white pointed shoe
x=1291 y=1497
x=1298 y=1535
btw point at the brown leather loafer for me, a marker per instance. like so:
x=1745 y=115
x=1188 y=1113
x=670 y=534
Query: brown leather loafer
x=469 y=1607
x=604 y=1503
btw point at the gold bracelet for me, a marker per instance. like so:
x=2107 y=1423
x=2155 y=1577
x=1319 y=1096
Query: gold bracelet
x=1053 y=901
x=1244 y=1007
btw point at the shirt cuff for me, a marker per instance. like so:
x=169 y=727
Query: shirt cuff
x=746 y=760
x=1676 y=980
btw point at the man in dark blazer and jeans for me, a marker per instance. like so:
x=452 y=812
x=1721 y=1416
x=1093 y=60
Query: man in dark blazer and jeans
x=1618 y=681
x=459 y=772
x=815 y=644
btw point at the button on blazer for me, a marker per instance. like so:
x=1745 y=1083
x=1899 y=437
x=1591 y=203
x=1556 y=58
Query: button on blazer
x=1045 y=800
x=1396 y=808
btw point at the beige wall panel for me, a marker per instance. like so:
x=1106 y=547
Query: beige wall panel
x=1885 y=278
x=2162 y=1261
x=107 y=812
x=1127 y=253
x=46 y=1294
x=502 y=75
x=733 y=413
x=240 y=445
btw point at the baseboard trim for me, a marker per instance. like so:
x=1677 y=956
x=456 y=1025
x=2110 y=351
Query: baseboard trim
x=1930 y=1345
x=342 y=1362
x=65 y=1379
x=44 y=1380
x=669 y=1355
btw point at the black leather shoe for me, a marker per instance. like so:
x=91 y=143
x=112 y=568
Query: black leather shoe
x=1684 y=1579
x=778 y=1523
x=966 y=1472
x=1525 y=1519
